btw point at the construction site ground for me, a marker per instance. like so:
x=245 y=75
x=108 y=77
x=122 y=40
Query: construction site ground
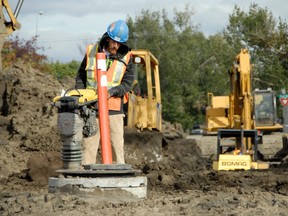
x=180 y=178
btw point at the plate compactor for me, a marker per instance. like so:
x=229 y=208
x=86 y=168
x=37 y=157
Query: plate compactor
x=77 y=111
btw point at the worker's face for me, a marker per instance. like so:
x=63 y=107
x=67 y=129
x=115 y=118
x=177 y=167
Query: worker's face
x=113 y=46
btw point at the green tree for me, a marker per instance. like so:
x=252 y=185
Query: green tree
x=266 y=39
x=25 y=50
x=61 y=70
x=191 y=65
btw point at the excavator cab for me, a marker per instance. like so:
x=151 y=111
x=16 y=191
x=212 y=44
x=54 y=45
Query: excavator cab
x=265 y=114
x=144 y=107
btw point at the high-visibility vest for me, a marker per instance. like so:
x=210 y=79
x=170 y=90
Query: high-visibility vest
x=114 y=74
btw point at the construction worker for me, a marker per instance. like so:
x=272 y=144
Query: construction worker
x=120 y=76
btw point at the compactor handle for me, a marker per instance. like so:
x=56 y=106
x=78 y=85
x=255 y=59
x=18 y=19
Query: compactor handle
x=71 y=90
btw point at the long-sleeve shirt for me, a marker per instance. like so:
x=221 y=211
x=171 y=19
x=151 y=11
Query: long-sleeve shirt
x=127 y=80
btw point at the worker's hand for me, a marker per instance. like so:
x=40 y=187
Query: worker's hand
x=111 y=92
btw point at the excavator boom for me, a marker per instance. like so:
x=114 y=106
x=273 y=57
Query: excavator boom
x=7 y=27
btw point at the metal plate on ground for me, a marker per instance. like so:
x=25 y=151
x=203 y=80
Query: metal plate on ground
x=107 y=167
x=96 y=173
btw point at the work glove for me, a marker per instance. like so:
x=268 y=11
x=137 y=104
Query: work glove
x=112 y=92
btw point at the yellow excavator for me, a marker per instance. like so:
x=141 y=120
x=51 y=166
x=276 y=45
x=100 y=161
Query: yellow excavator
x=241 y=117
x=7 y=27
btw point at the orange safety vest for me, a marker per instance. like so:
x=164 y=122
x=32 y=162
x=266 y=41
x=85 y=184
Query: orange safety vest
x=114 y=74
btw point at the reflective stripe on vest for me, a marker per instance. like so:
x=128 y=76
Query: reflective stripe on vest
x=116 y=71
x=91 y=71
x=114 y=74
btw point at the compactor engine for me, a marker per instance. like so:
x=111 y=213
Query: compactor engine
x=77 y=111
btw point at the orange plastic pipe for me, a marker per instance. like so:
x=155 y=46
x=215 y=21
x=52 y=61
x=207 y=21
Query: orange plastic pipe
x=103 y=109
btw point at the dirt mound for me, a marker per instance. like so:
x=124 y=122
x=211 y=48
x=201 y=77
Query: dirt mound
x=27 y=120
x=181 y=159
x=25 y=107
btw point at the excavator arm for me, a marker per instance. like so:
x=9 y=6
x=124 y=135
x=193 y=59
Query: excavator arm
x=7 y=27
x=241 y=100
x=13 y=24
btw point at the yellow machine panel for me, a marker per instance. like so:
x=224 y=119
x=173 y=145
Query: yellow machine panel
x=85 y=95
x=216 y=112
x=233 y=162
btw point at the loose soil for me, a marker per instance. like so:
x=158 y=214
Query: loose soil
x=180 y=180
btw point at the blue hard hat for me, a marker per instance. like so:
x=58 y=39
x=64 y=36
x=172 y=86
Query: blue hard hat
x=118 y=31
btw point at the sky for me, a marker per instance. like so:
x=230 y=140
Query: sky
x=64 y=27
